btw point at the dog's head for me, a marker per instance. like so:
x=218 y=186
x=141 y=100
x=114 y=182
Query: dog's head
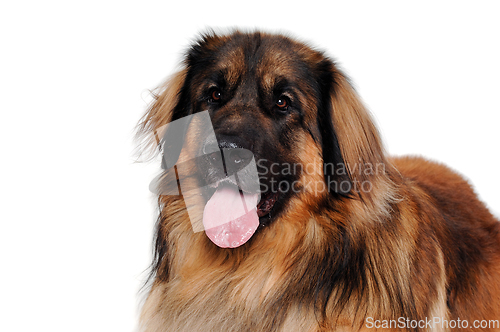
x=279 y=102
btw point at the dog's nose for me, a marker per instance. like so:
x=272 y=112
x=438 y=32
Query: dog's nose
x=236 y=152
x=232 y=142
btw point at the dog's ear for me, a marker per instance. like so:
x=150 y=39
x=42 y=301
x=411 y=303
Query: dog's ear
x=352 y=149
x=166 y=107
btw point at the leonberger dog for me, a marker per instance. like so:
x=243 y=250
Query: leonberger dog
x=340 y=236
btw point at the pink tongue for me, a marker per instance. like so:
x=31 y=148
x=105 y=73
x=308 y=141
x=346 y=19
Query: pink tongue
x=229 y=218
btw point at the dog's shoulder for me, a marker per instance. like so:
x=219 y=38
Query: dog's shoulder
x=437 y=179
x=451 y=194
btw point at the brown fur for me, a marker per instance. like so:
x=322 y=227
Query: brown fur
x=418 y=244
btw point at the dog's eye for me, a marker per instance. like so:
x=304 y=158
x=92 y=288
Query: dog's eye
x=215 y=96
x=282 y=103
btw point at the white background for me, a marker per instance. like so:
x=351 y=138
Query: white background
x=76 y=215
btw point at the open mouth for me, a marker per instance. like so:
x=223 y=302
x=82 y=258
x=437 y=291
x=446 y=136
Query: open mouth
x=265 y=204
x=231 y=215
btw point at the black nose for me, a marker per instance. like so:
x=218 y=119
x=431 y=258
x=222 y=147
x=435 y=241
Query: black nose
x=232 y=142
x=235 y=151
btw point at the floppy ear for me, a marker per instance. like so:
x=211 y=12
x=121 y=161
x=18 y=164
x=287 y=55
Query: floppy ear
x=160 y=112
x=358 y=138
x=351 y=141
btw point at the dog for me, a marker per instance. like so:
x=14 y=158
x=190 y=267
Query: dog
x=336 y=236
